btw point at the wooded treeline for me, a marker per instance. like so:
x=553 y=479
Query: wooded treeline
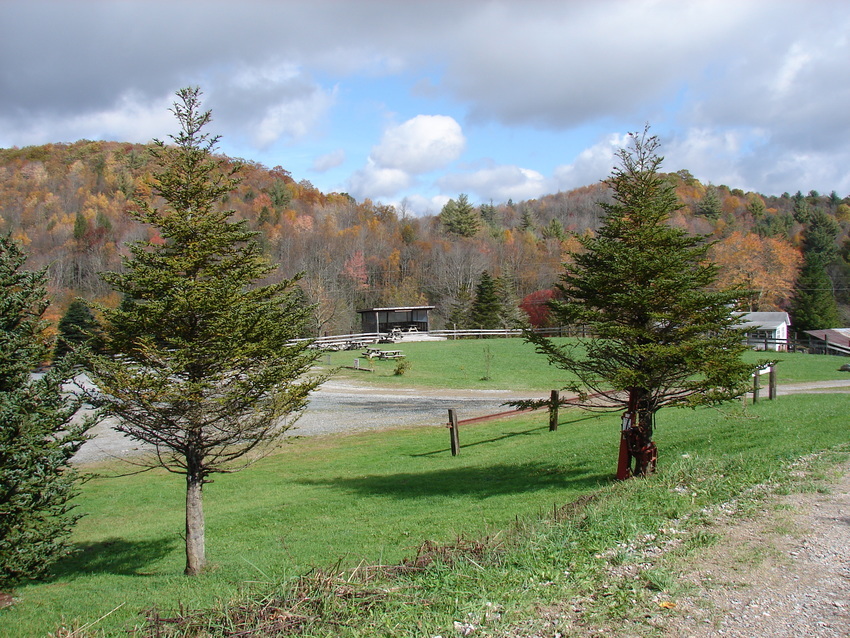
x=67 y=204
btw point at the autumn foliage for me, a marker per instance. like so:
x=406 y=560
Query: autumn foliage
x=67 y=205
x=764 y=267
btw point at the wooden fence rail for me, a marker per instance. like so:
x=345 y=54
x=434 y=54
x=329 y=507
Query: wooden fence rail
x=800 y=343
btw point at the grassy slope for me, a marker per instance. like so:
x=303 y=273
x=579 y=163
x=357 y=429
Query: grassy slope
x=374 y=497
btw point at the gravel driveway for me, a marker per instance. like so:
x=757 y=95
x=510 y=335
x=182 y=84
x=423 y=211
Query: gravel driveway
x=345 y=407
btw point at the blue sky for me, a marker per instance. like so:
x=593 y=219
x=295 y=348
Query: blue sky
x=411 y=103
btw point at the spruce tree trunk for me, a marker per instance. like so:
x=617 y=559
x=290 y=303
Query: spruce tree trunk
x=642 y=448
x=195 y=551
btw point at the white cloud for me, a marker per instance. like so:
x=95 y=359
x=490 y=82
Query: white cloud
x=421 y=144
x=375 y=181
x=268 y=103
x=499 y=183
x=563 y=64
x=130 y=119
x=419 y=205
x=329 y=160
x=751 y=159
x=259 y=77
x=591 y=165
x=291 y=120
x=709 y=154
x=795 y=60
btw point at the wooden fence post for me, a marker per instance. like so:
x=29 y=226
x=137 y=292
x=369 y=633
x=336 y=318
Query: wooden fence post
x=771 y=387
x=455 y=441
x=553 y=411
x=756 y=386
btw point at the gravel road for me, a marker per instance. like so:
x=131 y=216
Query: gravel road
x=345 y=407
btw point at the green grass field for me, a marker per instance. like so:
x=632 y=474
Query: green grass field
x=373 y=498
x=513 y=365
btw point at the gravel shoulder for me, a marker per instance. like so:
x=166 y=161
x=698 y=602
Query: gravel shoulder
x=782 y=573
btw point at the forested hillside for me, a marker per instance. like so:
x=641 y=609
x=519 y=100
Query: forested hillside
x=67 y=203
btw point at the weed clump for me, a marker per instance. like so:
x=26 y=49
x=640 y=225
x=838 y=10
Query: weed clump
x=401 y=366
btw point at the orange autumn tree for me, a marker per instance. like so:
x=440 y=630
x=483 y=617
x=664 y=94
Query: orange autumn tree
x=765 y=267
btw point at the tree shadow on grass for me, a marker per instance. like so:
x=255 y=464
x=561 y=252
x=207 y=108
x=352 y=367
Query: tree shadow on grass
x=481 y=482
x=114 y=556
x=496 y=439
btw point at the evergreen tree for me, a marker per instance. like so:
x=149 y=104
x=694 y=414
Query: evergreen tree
x=208 y=372
x=756 y=207
x=77 y=327
x=801 y=212
x=510 y=314
x=489 y=214
x=834 y=200
x=554 y=230
x=710 y=205
x=460 y=217
x=81 y=226
x=819 y=236
x=485 y=307
x=461 y=308
x=814 y=306
x=38 y=435
x=662 y=335
x=527 y=222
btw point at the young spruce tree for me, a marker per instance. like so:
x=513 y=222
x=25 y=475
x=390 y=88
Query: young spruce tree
x=662 y=334
x=460 y=218
x=38 y=434
x=814 y=306
x=484 y=314
x=205 y=369
x=77 y=327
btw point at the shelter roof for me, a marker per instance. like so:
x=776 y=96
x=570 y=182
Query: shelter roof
x=834 y=335
x=397 y=309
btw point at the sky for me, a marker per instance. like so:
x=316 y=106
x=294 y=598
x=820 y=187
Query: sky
x=412 y=102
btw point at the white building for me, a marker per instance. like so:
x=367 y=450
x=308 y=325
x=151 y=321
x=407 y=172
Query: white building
x=766 y=330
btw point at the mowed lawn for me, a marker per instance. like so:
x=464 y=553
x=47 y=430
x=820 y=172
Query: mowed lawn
x=512 y=364
x=375 y=497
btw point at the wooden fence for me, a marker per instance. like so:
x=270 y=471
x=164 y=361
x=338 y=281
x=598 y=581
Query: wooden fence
x=799 y=343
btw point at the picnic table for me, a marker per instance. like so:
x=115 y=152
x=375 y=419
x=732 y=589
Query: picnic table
x=372 y=353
